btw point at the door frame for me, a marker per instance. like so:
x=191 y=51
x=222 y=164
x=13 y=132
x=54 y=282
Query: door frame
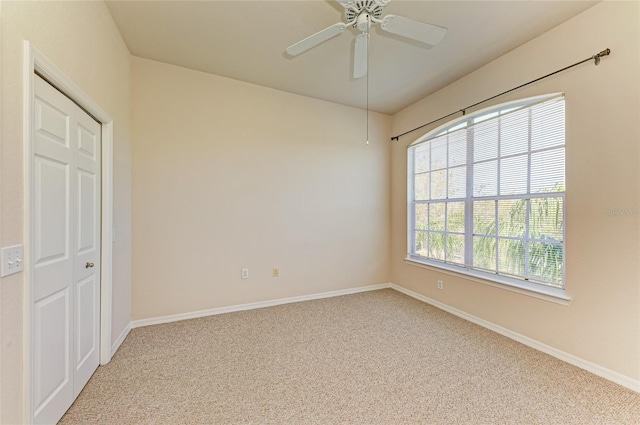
x=35 y=61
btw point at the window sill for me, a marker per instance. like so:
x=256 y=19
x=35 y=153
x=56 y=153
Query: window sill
x=553 y=295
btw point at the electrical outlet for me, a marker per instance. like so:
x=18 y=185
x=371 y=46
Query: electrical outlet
x=12 y=260
x=245 y=273
x=440 y=285
x=276 y=272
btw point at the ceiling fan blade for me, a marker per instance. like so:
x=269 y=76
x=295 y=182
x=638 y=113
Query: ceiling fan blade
x=347 y=4
x=415 y=30
x=360 y=56
x=315 y=39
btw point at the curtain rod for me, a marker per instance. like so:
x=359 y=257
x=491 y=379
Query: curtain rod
x=595 y=58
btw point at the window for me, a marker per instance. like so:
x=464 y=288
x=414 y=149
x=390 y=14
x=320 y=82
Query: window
x=486 y=194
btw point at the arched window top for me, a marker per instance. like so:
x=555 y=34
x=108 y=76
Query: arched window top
x=483 y=115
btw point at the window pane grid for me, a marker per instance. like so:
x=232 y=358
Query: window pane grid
x=503 y=174
x=439 y=231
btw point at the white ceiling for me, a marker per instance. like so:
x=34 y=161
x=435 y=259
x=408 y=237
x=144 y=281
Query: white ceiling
x=246 y=40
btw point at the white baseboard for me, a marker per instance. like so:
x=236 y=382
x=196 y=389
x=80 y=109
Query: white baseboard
x=120 y=339
x=251 y=306
x=603 y=372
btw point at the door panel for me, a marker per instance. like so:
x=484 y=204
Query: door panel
x=52 y=342
x=87 y=249
x=87 y=142
x=86 y=344
x=51 y=211
x=52 y=121
x=52 y=293
x=66 y=240
x=86 y=235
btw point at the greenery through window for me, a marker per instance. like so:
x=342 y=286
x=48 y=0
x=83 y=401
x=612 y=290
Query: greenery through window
x=486 y=193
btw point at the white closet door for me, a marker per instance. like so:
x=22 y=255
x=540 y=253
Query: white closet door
x=66 y=252
x=87 y=249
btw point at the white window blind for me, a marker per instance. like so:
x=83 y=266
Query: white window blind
x=486 y=193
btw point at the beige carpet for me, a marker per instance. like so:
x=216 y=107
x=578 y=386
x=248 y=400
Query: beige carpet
x=372 y=358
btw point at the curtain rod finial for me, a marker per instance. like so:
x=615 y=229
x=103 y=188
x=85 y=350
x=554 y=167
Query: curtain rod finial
x=605 y=52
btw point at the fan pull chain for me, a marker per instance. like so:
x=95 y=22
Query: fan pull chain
x=367 y=35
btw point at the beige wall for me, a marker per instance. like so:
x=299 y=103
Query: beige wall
x=1 y=340
x=602 y=323
x=82 y=40
x=229 y=175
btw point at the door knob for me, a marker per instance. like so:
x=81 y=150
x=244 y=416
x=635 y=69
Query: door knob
x=88 y=265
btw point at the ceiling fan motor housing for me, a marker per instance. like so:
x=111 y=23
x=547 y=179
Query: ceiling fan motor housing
x=359 y=7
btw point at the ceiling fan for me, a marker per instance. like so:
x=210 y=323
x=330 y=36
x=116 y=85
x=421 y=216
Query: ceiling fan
x=362 y=14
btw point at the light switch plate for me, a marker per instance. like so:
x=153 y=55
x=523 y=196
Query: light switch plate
x=12 y=260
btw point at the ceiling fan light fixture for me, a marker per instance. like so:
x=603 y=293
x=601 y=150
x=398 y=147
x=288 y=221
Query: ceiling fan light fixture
x=363 y=23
